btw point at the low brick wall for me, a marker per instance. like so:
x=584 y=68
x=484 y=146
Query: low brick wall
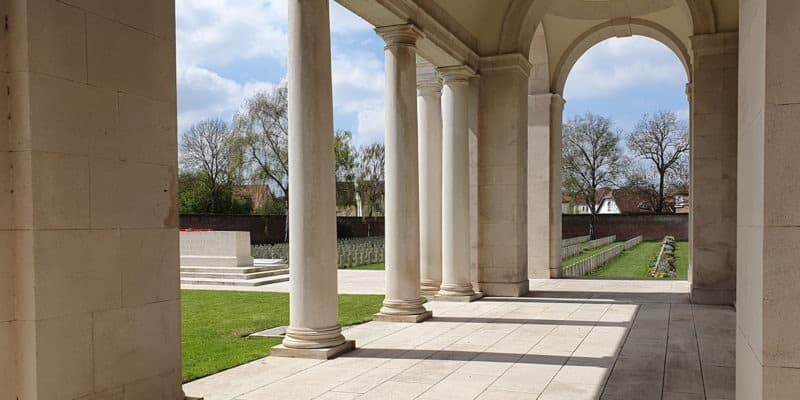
x=650 y=226
x=269 y=229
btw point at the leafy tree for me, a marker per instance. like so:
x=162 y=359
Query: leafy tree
x=196 y=197
x=369 y=173
x=591 y=159
x=663 y=142
x=346 y=159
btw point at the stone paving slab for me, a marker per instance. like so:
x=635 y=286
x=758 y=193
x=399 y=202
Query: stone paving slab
x=571 y=339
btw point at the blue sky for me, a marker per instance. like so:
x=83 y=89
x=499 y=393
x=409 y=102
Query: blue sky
x=230 y=49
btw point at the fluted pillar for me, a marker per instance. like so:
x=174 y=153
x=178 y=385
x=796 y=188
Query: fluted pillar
x=403 y=302
x=314 y=330
x=429 y=106
x=456 y=284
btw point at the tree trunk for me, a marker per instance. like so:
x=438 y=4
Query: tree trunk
x=660 y=192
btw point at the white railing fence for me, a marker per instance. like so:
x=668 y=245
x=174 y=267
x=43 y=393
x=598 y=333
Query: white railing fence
x=587 y=266
x=575 y=240
x=571 y=251
x=593 y=244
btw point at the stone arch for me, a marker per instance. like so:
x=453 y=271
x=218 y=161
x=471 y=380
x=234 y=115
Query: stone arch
x=539 y=81
x=608 y=30
x=524 y=16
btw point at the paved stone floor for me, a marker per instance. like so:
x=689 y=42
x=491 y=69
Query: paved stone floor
x=570 y=339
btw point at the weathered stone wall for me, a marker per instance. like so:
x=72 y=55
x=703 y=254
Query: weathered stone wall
x=502 y=176
x=89 y=167
x=7 y=236
x=768 y=312
x=650 y=226
x=713 y=168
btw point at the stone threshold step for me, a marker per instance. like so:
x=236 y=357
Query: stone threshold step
x=235 y=270
x=247 y=276
x=235 y=282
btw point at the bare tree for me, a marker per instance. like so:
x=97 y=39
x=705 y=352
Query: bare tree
x=663 y=141
x=206 y=148
x=369 y=171
x=591 y=159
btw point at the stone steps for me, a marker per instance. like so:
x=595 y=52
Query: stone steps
x=235 y=282
x=235 y=276
x=263 y=272
x=234 y=270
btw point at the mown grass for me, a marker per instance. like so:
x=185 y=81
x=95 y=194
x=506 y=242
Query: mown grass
x=216 y=324
x=369 y=267
x=635 y=262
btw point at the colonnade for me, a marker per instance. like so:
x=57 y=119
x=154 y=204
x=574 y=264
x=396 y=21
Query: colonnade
x=435 y=258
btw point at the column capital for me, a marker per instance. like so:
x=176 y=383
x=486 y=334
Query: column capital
x=456 y=73
x=428 y=81
x=400 y=35
x=715 y=43
x=429 y=87
x=512 y=61
x=554 y=98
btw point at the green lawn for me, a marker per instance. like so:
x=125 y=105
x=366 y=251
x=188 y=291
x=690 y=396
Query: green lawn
x=682 y=259
x=370 y=267
x=634 y=263
x=216 y=325
x=588 y=253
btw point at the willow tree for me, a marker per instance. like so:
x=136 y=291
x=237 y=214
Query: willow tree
x=591 y=159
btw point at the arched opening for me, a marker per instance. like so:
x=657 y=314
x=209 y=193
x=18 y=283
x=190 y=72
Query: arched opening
x=627 y=77
x=625 y=158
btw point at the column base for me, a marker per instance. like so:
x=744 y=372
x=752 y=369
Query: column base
x=429 y=288
x=456 y=298
x=501 y=289
x=716 y=297
x=325 y=353
x=412 y=318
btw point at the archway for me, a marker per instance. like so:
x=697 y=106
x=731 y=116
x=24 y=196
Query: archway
x=546 y=104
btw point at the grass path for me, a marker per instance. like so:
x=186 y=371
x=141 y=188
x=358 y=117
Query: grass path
x=216 y=324
x=634 y=263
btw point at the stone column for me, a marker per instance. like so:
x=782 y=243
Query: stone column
x=429 y=105
x=713 y=168
x=456 y=285
x=403 y=302
x=545 y=112
x=768 y=282
x=502 y=176
x=314 y=330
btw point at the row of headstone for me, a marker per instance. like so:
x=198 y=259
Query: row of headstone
x=350 y=252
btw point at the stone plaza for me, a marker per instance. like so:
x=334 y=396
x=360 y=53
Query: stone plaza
x=89 y=243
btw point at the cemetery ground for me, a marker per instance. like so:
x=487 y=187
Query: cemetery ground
x=216 y=325
x=635 y=262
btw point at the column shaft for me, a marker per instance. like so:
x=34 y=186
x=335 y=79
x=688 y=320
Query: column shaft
x=402 y=300
x=429 y=105
x=544 y=177
x=455 y=184
x=312 y=219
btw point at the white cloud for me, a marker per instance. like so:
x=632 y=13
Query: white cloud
x=204 y=94
x=358 y=84
x=621 y=63
x=217 y=33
